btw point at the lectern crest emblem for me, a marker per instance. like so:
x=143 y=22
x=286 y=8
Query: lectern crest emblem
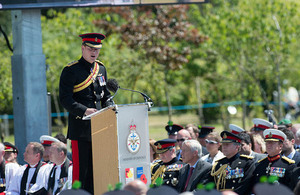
x=133 y=140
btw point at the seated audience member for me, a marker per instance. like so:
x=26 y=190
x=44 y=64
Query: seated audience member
x=274 y=164
x=172 y=130
x=288 y=149
x=213 y=147
x=203 y=132
x=153 y=151
x=246 y=147
x=7 y=170
x=168 y=167
x=33 y=176
x=285 y=123
x=260 y=125
x=193 y=130
x=63 y=139
x=259 y=144
x=11 y=152
x=60 y=176
x=46 y=141
x=137 y=187
x=182 y=135
x=196 y=171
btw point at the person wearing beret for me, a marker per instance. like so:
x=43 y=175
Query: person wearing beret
x=274 y=164
x=234 y=171
x=203 y=132
x=168 y=167
x=83 y=91
x=172 y=130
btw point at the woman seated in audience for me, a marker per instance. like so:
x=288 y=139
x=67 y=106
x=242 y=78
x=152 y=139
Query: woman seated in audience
x=213 y=147
x=153 y=155
x=259 y=144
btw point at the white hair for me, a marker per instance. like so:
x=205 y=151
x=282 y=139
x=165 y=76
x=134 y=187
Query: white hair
x=298 y=133
x=194 y=145
x=1 y=147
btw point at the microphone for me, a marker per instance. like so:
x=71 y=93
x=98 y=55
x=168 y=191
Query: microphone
x=112 y=85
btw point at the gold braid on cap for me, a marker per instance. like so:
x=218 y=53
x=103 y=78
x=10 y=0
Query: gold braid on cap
x=159 y=173
x=219 y=175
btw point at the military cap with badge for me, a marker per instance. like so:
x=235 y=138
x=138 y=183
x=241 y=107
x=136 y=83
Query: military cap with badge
x=235 y=129
x=205 y=130
x=173 y=129
x=8 y=147
x=92 y=39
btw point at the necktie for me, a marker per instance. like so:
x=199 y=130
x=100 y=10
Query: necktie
x=188 y=178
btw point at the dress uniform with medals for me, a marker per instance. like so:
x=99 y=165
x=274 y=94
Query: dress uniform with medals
x=168 y=171
x=277 y=165
x=82 y=86
x=233 y=173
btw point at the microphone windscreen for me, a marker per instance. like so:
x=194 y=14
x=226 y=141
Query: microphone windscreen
x=112 y=85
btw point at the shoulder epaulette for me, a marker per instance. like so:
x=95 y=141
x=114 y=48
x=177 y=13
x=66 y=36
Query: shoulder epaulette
x=220 y=159
x=262 y=159
x=246 y=156
x=100 y=63
x=72 y=63
x=288 y=160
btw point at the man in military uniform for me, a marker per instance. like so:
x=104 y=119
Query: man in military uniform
x=274 y=164
x=234 y=171
x=168 y=167
x=203 y=132
x=172 y=130
x=83 y=91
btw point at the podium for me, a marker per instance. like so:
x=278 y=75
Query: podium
x=120 y=142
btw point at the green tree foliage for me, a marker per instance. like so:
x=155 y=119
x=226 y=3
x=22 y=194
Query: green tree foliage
x=162 y=35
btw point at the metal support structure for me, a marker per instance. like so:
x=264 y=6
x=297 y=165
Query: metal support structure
x=29 y=79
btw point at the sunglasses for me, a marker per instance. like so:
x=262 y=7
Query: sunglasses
x=181 y=140
x=210 y=141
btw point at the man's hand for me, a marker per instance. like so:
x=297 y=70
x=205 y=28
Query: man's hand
x=90 y=111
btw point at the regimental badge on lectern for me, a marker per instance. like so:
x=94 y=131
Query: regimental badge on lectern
x=133 y=140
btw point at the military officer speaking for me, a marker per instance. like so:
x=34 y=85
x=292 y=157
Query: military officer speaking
x=274 y=164
x=168 y=167
x=234 y=171
x=83 y=91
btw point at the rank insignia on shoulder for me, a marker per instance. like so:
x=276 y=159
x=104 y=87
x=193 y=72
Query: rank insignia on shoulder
x=156 y=161
x=288 y=160
x=262 y=159
x=246 y=156
x=99 y=62
x=72 y=63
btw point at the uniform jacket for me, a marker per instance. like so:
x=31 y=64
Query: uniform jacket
x=171 y=173
x=76 y=103
x=200 y=175
x=282 y=168
x=237 y=175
